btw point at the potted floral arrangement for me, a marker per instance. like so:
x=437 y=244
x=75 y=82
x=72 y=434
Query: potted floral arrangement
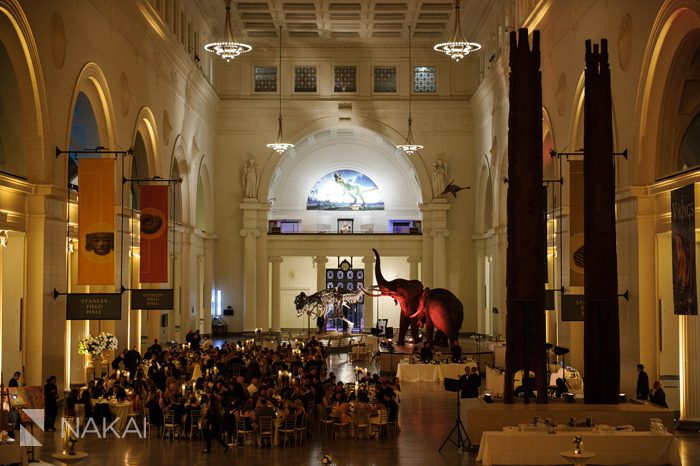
x=95 y=345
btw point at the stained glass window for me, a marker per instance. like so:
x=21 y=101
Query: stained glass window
x=305 y=79
x=385 y=79
x=345 y=79
x=424 y=79
x=265 y=79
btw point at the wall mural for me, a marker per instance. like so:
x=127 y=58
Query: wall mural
x=345 y=190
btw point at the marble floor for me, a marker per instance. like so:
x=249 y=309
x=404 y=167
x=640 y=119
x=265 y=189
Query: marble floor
x=427 y=415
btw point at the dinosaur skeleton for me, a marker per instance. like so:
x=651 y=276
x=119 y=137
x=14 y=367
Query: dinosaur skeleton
x=328 y=303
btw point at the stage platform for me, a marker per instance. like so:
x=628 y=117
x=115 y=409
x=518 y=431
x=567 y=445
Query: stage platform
x=479 y=416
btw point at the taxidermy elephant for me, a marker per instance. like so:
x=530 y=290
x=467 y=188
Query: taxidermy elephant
x=438 y=307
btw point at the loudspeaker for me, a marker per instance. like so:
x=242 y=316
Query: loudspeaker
x=389 y=332
x=375 y=331
x=228 y=311
x=164 y=320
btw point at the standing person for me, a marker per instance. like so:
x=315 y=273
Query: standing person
x=642 y=383
x=212 y=424
x=14 y=381
x=50 y=405
x=471 y=381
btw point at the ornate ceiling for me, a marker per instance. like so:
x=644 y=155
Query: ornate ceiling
x=338 y=22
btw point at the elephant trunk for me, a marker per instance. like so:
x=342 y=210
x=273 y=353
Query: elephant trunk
x=381 y=281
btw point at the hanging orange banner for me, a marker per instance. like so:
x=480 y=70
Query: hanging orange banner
x=154 y=234
x=96 y=222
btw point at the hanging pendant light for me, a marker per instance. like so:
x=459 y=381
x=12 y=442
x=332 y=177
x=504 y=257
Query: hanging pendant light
x=229 y=48
x=457 y=47
x=280 y=147
x=409 y=146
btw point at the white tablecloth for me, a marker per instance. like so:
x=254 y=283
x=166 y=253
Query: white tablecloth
x=13 y=453
x=429 y=372
x=618 y=448
x=121 y=413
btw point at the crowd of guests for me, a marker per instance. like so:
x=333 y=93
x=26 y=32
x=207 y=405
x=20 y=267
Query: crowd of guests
x=237 y=379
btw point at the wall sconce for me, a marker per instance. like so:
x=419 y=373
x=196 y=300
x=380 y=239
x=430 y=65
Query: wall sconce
x=3 y=238
x=623 y=397
x=569 y=397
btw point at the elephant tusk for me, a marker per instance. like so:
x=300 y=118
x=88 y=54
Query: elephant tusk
x=416 y=314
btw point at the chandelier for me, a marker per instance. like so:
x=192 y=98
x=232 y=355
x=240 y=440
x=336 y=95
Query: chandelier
x=457 y=46
x=279 y=146
x=229 y=48
x=409 y=146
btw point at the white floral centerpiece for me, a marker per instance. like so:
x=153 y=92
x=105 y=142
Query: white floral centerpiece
x=97 y=344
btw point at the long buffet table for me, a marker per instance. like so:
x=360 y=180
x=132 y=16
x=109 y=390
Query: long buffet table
x=430 y=372
x=619 y=448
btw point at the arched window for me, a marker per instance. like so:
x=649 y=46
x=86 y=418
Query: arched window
x=200 y=221
x=139 y=169
x=689 y=152
x=12 y=156
x=83 y=134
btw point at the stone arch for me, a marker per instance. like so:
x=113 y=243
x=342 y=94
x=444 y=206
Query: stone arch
x=93 y=84
x=204 y=200
x=485 y=199
x=146 y=125
x=388 y=133
x=675 y=20
x=180 y=169
x=17 y=38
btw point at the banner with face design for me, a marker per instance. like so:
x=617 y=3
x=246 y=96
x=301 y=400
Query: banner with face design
x=154 y=234
x=685 y=290
x=96 y=222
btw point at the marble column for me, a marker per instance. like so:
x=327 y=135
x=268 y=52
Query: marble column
x=249 y=278
x=413 y=262
x=275 y=291
x=439 y=259
x=689 y=329
x=320 y=263
x=369 y=300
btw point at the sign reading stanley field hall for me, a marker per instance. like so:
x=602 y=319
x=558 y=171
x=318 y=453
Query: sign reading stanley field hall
x=152 y=299
x=94 y=306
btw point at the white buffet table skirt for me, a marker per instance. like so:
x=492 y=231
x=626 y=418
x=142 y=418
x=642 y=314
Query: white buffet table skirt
x=13 y=453
x=429 y=372
x=495 y=381
x=619 y=448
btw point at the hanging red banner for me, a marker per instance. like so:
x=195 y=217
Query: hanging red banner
x=154 y=234
x=96 y=222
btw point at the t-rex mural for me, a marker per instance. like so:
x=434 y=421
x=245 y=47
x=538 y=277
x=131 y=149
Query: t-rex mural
x=351 y=189
x=439 y=308
x=328 y=303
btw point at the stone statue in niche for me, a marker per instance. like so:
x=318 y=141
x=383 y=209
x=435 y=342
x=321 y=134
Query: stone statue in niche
x=250 y=178
x=439 y=173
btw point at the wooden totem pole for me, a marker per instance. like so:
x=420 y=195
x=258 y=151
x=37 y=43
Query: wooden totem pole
x=525 y=321
x=601 y=328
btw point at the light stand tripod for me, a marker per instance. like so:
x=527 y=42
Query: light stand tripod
x=463 y=442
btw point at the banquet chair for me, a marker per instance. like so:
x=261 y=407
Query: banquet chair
x=378 y=427
x=360 y=421
x=265 y=429
x=147 y=416
x=327 y=422
x=169 y=423
x=393 y=425
x=289 y=429
x=195 y=420
x=244 y=433
x=301 y=427
x=338 y=424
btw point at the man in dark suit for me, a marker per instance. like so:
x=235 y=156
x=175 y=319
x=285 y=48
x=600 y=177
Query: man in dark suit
x=658 y=396
x=14 y=381
x=642 y=383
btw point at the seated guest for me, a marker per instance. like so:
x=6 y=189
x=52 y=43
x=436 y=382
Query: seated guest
x=426 y=354
x=71 y=400
x=264 y=408
x=390 y=404
x=14 y=381
x=562 y=389
x=657 y=396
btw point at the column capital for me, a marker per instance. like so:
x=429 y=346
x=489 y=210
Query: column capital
x=368 y=260
x=276 y=259
x=250 y=232
x=414 y=259
x=320 y=260
x=437 y=232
